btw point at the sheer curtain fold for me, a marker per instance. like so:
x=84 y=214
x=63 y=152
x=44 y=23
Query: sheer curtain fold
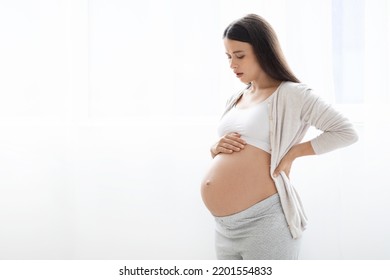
x=377 y=52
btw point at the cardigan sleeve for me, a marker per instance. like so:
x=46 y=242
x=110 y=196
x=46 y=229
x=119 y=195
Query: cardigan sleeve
x=337 y=130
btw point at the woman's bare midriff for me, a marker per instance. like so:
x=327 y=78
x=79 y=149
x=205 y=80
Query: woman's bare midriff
x=236 y=181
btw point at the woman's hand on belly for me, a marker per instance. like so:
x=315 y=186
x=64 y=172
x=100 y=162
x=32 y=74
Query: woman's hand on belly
x=228 y=144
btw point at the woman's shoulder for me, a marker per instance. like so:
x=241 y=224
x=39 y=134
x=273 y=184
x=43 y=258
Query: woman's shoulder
x=292 y=87
x=295 y=92
x=236 y=95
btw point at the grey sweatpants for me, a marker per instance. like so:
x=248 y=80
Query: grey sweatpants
x=257 y=233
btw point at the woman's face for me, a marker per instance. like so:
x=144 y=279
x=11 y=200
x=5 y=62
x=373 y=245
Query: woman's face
x=242 y=60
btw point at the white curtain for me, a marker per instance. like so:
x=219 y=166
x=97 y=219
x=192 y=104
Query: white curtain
x=108 y=109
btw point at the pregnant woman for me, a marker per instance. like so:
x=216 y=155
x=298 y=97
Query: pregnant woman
x=258 y=212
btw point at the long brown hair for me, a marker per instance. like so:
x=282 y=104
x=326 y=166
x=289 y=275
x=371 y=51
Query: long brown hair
x=256 y=31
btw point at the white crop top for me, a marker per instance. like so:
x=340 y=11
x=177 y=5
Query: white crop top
x=251 y=123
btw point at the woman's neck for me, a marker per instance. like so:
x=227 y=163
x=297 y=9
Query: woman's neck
x=263 y=86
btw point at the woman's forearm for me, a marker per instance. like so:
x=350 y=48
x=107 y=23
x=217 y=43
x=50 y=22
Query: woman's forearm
x=302 y=149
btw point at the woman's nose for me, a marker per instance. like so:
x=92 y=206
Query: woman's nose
x=233 y=64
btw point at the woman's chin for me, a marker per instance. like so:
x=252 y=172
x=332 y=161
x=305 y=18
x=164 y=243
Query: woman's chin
x=245 y=81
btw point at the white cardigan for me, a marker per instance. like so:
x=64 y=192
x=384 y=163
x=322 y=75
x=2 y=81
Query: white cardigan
x=292 y=110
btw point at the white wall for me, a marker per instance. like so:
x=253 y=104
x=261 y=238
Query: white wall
x=107 y=112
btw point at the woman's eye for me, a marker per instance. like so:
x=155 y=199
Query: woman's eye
x=239 y=57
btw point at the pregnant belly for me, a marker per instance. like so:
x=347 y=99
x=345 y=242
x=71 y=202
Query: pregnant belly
x=236 y=181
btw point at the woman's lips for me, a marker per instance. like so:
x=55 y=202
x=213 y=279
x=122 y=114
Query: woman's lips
x=238 y=75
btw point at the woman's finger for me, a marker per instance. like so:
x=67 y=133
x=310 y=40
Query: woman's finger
x=234 y=147
x=234 y=143
x=235 y=137
x=226 y=151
